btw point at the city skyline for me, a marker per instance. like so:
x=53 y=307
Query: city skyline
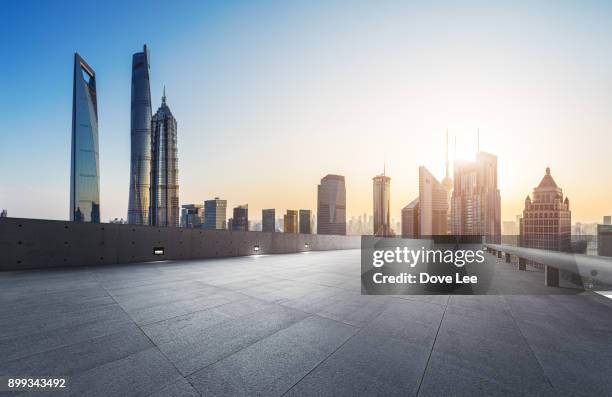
x=519 y=102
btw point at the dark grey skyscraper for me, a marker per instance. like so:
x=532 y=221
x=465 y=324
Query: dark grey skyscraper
x=164 y=210
x=305 y=222
x=331 y=205
x=240 y=221
x=140 y=161
x=268 y=220
x=84 y=165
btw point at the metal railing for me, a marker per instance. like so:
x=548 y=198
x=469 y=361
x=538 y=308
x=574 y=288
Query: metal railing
x=596 y=268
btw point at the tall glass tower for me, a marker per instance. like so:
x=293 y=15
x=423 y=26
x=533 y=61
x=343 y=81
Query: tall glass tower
x=140 y=168
x=84 y=164
x=164 y=169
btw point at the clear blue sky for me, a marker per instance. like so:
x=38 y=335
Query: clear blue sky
x=271 y=96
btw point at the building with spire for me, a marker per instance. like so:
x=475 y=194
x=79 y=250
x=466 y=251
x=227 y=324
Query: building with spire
x=140 y=140
x=164 y=195
x=447 y=184
x=547 y=219
x=381 y=187
x=84 y=162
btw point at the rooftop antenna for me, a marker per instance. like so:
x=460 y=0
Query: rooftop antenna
x=164 y=96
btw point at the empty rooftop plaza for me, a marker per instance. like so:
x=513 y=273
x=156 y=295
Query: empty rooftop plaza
x=295 y=324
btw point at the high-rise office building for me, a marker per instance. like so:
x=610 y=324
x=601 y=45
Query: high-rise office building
x=192 y=215
x=410 y=220
x=433 y=205
x=476 y=202
x=164 y=197
x=240 y=220
x=3 y=214
x=84 y=164
x=268 y=220
x=547 y=219
x=305 y=221
x=331 y=205
x=215 y=212
x=381 y=187
x=290 y=222
x=140 y=134
x=604 y=239
x=607 y=220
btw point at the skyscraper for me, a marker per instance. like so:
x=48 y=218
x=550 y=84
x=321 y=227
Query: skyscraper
x=331 y=205
x=604 y=240
x=547 y=219
x=433 y=205
x=140 y=161
x=476 y=202
x=305 y=221
x=84 y=164
x=215 y=212
x=290 y=222
x=240 y=220
x=268 y=220
x=381 y=185
x=410 y=220
x=164 y=209
x=3 y=214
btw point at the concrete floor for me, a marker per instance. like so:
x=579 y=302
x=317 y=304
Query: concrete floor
x=297 y=325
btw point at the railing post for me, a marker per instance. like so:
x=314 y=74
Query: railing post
x=508 y=259
x=551 y=276
x=522 y=264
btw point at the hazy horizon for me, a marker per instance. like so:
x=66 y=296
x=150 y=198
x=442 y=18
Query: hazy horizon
x=270 y=97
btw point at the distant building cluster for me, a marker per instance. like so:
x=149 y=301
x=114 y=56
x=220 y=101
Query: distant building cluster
x=468 y=204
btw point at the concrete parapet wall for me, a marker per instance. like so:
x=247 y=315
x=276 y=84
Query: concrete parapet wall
x=34 y=243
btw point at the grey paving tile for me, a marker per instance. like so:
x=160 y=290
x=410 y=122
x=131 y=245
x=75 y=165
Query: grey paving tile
x=38 y=322
x=152 y=314
x=42 y=341
x=445 y=378
x=79 y=357
x=195 y=351
x=367 y=366
x=436 y=299
x=508 y=363
x=271 y=366
x=353 y=308
x=139 y=374
x=182 y=388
